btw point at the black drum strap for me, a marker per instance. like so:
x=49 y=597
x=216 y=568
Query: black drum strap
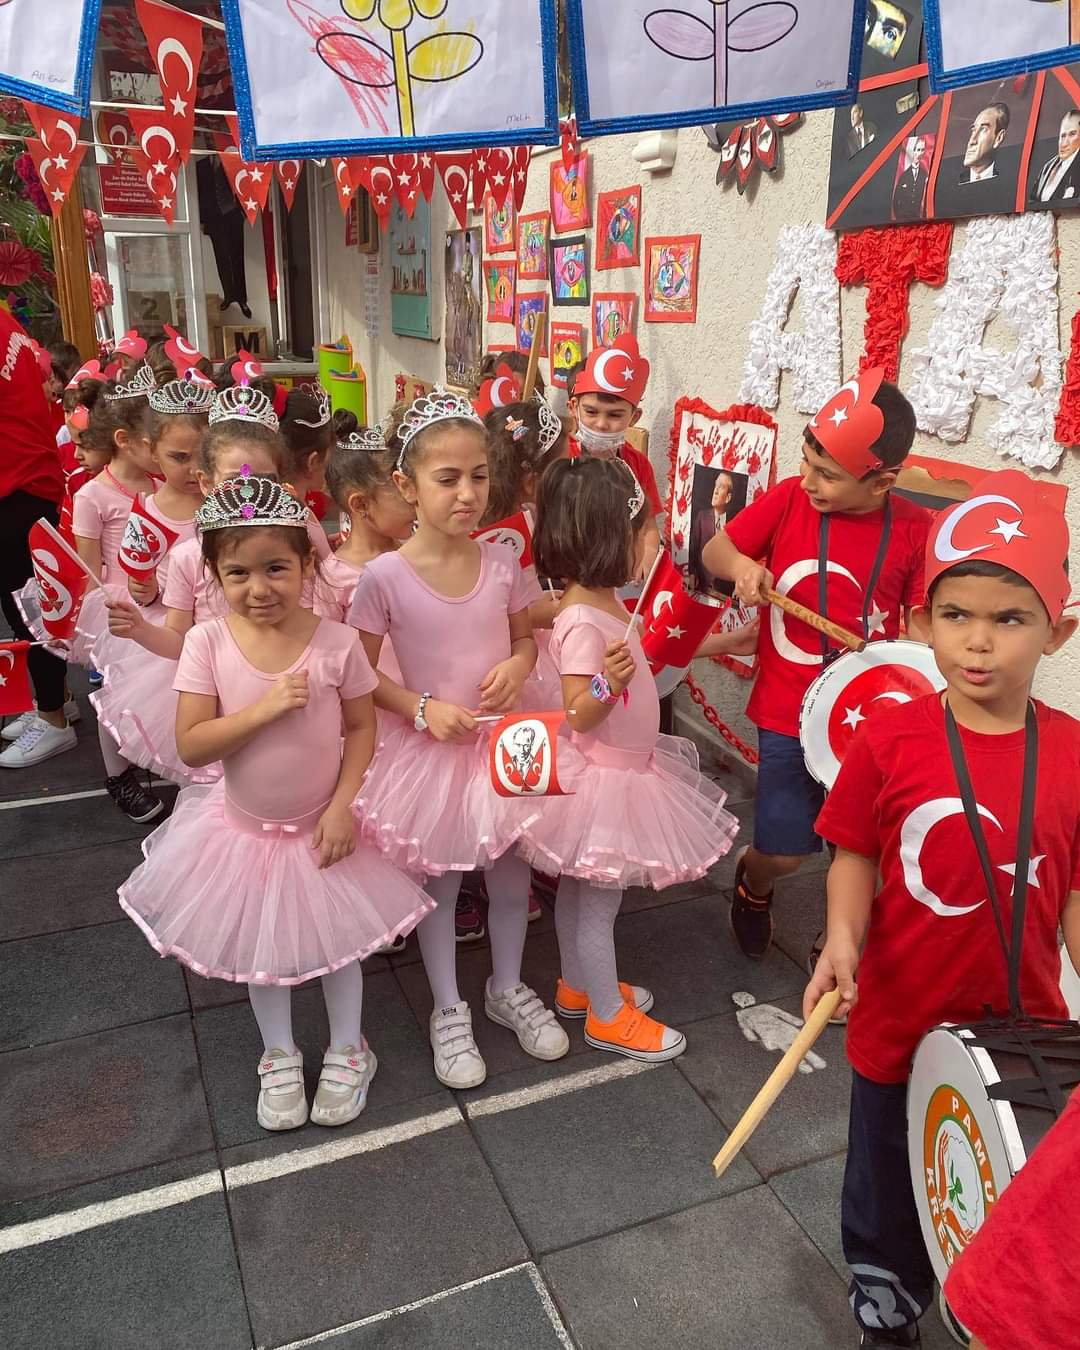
x=830 y=653
x=1011 y=947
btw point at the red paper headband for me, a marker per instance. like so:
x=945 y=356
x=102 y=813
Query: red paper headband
x=619 y=370
x=504 y=387
x=851 y=422
x=131 y=344
x=180 y=351
x=90 y=370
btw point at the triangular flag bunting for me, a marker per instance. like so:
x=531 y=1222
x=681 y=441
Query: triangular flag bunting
x=288 y=173
x=56 y=153
x=176 y=44
x=455 y=170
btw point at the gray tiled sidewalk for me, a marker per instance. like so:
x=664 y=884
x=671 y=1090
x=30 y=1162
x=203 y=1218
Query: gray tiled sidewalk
x=570 y=1204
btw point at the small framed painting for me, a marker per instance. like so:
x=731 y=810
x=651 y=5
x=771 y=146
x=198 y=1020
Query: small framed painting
x=533 y=234
x=500 y=282
x=618 y=229
x=499 y=222
x=569 y=270
x=529 y=307
x=612 y=315
x=568 y=348
x=671 y=278
x=570 y=194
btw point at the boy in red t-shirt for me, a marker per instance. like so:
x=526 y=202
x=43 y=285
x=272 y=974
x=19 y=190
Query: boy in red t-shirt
x=835 y=539
x=928 y=934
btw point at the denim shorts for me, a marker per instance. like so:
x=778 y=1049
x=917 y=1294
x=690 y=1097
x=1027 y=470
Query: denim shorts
x=788 y=798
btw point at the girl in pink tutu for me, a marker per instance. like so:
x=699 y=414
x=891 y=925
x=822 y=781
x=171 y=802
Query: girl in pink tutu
x=308 y=433
x=258 y=878
x=457 y=614
x=642 y=814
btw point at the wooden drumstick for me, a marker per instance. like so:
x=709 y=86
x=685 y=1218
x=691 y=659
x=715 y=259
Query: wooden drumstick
x=816 y=620
x=776 y=1081
x=539 y=334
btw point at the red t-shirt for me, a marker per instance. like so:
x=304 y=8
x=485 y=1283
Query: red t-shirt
x=28 y=458
x=639 y=465
x=782 y=528
x=932 y=953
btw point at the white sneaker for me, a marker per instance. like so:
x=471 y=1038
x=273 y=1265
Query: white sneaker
x=343 y=1085
x=458 y=1063
x=282 y=1101
x=14 y=729
x=40 y=740
x=534 y=1025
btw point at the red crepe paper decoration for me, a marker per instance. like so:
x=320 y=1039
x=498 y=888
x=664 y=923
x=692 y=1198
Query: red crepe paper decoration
x=16 y=263
x=176 y=44
x=455 y=171
x=56 y=153
x=288 y=173
x=1067 y=423
x=887 y=261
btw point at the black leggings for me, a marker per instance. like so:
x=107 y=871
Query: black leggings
x=17 y=513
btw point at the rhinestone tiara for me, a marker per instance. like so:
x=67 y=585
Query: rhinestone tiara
x=439 y=406
x=369 y=439
x=240 y=403
x=551 y=427
x=249 y=500
x=142 y=384
x=637 y=501
x=182 y=396
x=322 y=403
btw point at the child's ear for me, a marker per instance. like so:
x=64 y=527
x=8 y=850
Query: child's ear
x=356 y=504
x=406 y=486
x=919 y=624
x=1060 y=633
x=635 y=417
x=205 y=482
x=884 y=482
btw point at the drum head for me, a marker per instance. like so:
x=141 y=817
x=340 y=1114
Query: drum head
x=853 y=689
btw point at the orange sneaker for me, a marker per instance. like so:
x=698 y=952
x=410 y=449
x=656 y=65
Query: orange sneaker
x=630 y=1032
x=575 y=1002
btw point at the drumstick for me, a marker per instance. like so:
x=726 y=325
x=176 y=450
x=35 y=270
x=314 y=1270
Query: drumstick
x=816 y=620
x=776 y=1081
x=539 y=334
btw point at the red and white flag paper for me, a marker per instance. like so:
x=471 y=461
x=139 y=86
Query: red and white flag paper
x=515 y=531
x=16 y=694
x=56 y=153
x=525 y=756
x=62 y=579
x=176 y=43
x=145 y=542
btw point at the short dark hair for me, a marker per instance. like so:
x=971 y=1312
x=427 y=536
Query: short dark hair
x=584 y=531
x=216 y=543
x=518 y=362
x=979 y=567
x=1004 y=117
x=351 y=469
x=509 y=460
x=894 y=444
x=65 y=359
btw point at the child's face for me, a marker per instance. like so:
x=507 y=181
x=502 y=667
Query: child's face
x=135 y=447
x=386 y=511
x=54 y=388
x=262 y=576
x=230 y=460
x=603 y=414
x=177 y=456
x=831 y=488
x=450 y=486
x=91 y=459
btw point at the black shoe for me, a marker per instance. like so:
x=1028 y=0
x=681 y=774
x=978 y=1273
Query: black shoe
x=751 y=917
x=136 y=802
x=908 y=1336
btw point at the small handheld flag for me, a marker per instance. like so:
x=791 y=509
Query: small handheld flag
x=146 y=541
x=525 y=758
x=515 y=531
x=16 y=695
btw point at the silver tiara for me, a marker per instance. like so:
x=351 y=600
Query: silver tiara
x=438 y=406
x=142 y=384
x=637 y=501
x=241 y=403
x=182 y=396
x=249 y=500
x=551 y=427
x=369 y=439
x=322 y=403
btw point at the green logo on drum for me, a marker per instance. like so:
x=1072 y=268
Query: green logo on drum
x=960 y=1187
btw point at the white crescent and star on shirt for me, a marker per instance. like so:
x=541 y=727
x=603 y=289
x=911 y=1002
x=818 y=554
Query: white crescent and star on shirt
x=785 y=584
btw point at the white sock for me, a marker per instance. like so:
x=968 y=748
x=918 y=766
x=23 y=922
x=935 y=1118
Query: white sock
x=435 y=934
x=115 y=763
x=508 y=918
x=599 y=906
x=343 y=994
x=272 y=1006
x=567 y=909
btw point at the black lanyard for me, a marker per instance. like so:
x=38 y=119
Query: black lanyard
x=829 y=653
x=1011 y=949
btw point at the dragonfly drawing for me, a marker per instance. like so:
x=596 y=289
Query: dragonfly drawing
x=688 y=38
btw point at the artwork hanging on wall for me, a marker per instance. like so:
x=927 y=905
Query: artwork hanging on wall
x=410 y=260
x=749 y=146
x=464 y=329
x=392 y=77
x=618 y=228
x=970 y=40
x=528 y=307
x=570 y=270
x=500 y=280
x=682 y=65
x=533 y=233
x=613 y=314
x=671 y=278
x=568 y=348
x=48 y=52
x=570 y=194
x=499 y=225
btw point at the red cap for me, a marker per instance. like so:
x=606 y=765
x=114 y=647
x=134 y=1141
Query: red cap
x=620 y=370
x=851 y=422
x=89 y=370
x=131 y=344
x=1007 y=520
x=504 y=387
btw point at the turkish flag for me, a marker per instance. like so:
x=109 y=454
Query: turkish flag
x=176 y=45
x=250 y=182
x=455 y=170
x=114 y=131
x=500 y=175
x=288 y=175
x=406 y=171
x=568 y=142
x=380 y=186
x=426 y=170
x=347 y=172
x=674 y=623
x=16 y=695
x=56 y=153
x=180 y=351
x=145 y=542
x=62 y=579
x=515 y=531
x=522 y=160
x=156 y=155
x=524 y=755
x=478 y=169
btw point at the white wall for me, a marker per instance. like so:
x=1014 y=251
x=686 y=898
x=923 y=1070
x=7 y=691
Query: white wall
x=705 y=359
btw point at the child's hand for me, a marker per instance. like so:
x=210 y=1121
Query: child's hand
x=335 y=834
x=143 y=592
x=751 y=583
x=835 y=969
x=501 y=686
x=619 y=665
x=743 y=641
x=448 y=722
x=125 y=619
x=542 y=614
x=286 y=693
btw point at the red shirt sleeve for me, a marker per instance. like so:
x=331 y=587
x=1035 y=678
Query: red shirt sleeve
x=754 y=527
x=849 y=817
x=915 y=586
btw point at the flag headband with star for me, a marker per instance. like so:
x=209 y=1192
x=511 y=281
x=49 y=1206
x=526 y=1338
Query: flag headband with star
x=619 y=370
x=851 y=423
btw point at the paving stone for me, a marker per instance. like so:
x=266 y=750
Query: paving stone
x=614 y=1153
x=734 y=1274
x=812 y=1196
x=718 y=878
x=70 y=984
x=73 y=771
x=810 y=1119
x=78 y=1110
x=61 y=827
x=799 y=910
x=46 y=894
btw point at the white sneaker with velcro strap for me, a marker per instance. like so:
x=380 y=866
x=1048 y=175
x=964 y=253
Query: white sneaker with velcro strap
x=458 y=1063
x=522 y=1012
x=343 y=1085
x=282 y=1100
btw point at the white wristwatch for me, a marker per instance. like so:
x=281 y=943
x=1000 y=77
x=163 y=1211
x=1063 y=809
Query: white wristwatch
x=420 y=721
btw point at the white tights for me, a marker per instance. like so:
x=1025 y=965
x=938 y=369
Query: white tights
x=115 y=763
x=508 y=918
x=585 y=926
x=343 y=992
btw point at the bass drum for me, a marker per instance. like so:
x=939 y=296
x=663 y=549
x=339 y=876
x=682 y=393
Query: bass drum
x=853 y=689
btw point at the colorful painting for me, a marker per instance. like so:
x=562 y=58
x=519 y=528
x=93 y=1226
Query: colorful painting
x=500 y=280
x=568 y=348
x=499 y=227
x=612 y=314
x=570 y=194
x=618 y=228
x=671 y=278
x=533 y=234
x=464 y=314
x=528 y=309
x=570 y=271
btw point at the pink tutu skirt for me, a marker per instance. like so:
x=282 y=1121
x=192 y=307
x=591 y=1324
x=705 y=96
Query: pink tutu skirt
x=238 y=899
x=635 y=819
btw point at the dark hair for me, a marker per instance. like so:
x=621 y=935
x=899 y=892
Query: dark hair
x=980 y=567
x=216 y=543
x=354 y=470
x=236 y=432
x=157 y=424
x=159 y=363
x=110 y=415
x=83 y=395
x=584 y=531
x=509 y=460
x=422 y=439
x=571 y=377
x=301 y=442
x=897 y=435
x=515 y=361
x=223 y=379
x=1004 y=116
x=65 y=359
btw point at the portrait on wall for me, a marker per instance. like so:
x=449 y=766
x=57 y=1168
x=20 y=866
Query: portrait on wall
x=1054 y=168
x=912 y=177
x=981 y=150
x=569 y=268
x=865 y=163
x=533 y=233
x=863 y=131
x=461 y=279
x=500 y=284
x=570 y=194
x=717 y=496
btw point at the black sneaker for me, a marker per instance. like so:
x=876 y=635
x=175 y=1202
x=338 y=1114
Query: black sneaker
x=751 y=916
x=136 y=801
x=908 y=1336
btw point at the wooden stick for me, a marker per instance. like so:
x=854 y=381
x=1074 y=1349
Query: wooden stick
x=776 y=1081
x=644 y=593
x=538 y=338
x=816 y=620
